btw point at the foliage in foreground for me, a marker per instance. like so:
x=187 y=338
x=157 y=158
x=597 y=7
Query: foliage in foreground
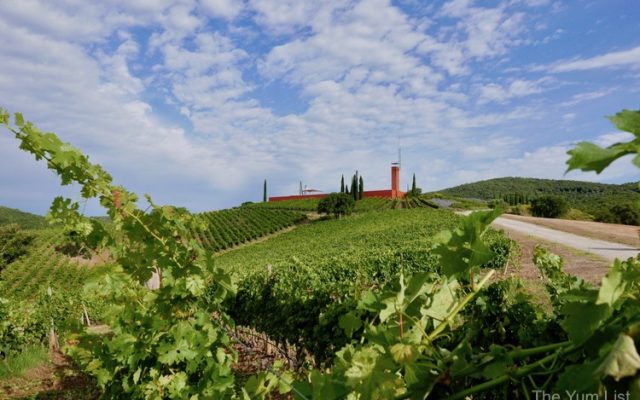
x=423 y=335
x=163 y=343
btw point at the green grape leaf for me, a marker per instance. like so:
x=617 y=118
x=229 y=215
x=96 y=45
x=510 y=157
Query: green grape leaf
x=350 y=323
x=578 y=379
x=442 y=302
x=591 y=157
x=403 y=353
x=19 y=119
x=627 y=120
x=4 y=117
x=581 y=319
x=613 y=286
x=622 y=360
x=465 y=248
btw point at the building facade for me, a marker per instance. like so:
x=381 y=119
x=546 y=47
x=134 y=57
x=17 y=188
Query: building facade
x=393 y=193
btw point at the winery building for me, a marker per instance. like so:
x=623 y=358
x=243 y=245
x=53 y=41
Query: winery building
x=393 y=193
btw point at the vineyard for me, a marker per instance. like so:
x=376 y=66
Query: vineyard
x=296 y=286
x=43 y=267
x=227 y=228
x=388 y=303
x=366 y=204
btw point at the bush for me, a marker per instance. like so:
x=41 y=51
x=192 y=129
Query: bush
x=498 y=203
x=549 y=206
x=627 y=214
x=578 y=215
x=14 y=243
x=337 y=204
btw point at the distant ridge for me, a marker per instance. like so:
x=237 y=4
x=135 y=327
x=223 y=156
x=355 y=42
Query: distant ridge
x=587 y=196
x=24 y=219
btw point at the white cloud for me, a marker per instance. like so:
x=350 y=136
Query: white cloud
x=580 y=97
x=615 y=137
x=173 y=102
x=515 y=88
x=285 y=16
x=228 y=9
x=613 y=59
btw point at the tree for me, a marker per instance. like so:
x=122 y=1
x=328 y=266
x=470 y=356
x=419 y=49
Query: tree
x=337 y=204
x=264 y=191
x=346 y=189
x=627 y=214
x=415 y=191
x=360 y=188
x=14 y=243
x=354 y=187
x=549 y=206
x=342 y=184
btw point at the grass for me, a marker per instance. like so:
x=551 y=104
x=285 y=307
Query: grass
x=16 y=365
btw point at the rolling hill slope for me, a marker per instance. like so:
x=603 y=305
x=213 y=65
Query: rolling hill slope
x=587 y=196
x=24 y=219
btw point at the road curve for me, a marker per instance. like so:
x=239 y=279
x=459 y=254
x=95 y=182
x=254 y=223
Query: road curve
x=607 y=250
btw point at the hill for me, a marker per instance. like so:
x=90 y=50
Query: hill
x=24 y=219
x=590 y=197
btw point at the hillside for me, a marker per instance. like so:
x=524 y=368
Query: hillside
x=24 y=219
x=586 y=196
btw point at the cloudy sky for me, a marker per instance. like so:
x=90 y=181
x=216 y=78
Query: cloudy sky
x=197 y=101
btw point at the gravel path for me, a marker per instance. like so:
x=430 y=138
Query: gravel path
x=605 y=249
x=608 y=250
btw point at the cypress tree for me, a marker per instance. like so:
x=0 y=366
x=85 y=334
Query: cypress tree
x=342 y=184
x=360 y=188
x=354 y=187
x=346 y=189
x=264 y=192
x=413 y=185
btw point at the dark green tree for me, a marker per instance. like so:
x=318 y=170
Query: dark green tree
x=415 y=190
x=360 y=188
x=354 y=187
x=14 y=243
x=342 y=184
x=264 y=192
x=346 y=189
x=549 y=206
x=338 y=204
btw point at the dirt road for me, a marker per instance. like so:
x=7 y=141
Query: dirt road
x=602 y=248
x=605 y=249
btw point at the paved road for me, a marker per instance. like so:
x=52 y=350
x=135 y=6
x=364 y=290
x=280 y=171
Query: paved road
x=602 y=248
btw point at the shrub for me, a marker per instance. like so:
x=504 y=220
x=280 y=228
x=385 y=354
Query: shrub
x=627 y=214
x=498 y=203
x=337 y=204
x=14 y=243
x=549 y=206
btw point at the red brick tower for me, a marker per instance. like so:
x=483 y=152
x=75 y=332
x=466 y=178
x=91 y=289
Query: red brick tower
x=395 y=180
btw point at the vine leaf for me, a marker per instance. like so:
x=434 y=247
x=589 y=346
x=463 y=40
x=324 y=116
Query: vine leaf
x=590 y=157
x=622 y=361
x=582 y=318
x=613 y=286
x=627 y=120
x=464 y=248
x=350 y=323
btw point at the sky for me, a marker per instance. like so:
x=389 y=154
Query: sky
x=196 y=102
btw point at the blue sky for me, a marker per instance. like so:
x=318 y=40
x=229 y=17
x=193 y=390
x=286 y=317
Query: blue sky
x=197 y=101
